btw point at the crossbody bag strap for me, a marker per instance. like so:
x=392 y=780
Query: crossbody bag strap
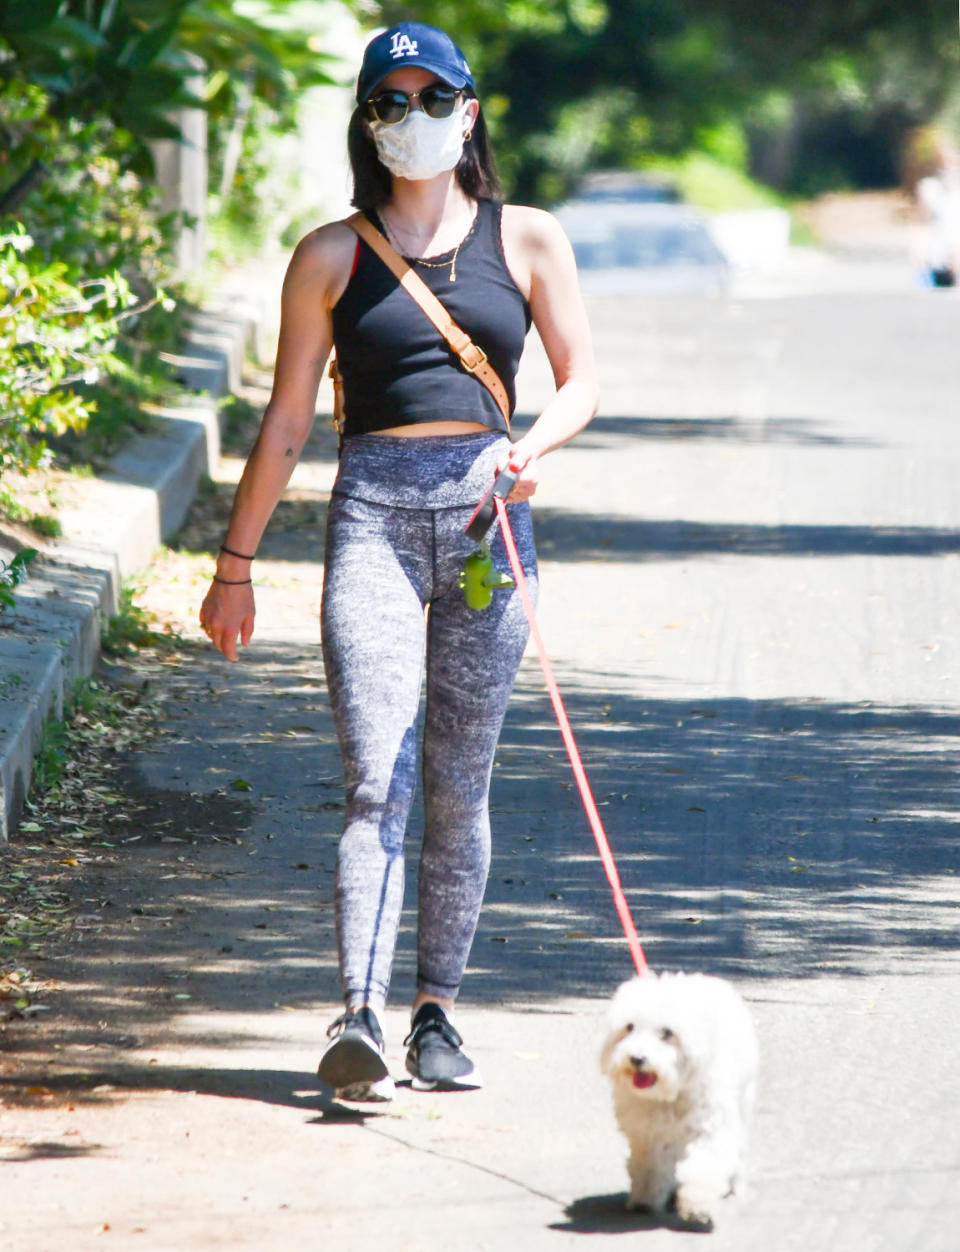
x=472 y=358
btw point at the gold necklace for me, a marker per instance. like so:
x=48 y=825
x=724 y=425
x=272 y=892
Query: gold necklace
x=432 y=265
x=439 y=265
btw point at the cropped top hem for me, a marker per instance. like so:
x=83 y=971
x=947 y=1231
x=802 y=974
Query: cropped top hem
x=414 y=415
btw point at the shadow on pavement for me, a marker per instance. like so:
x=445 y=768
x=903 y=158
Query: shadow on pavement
x=608 y=430
x=755 y=839
x=609 y=1215
x=566 y=536
x=115 y=1081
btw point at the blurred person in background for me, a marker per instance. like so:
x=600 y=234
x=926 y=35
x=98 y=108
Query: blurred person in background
x=934 y=175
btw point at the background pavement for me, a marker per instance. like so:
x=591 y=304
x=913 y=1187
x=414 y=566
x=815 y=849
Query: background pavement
x=749 y=567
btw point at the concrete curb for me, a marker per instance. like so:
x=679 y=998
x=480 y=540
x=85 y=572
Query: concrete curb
x=51 y=637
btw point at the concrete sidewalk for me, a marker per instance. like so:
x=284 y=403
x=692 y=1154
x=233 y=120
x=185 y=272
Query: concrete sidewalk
x=749 y=593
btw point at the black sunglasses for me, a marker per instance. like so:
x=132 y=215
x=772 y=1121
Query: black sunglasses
x=390 y=107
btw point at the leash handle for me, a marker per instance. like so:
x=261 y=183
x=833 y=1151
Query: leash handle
x=484 y=514
x=586 y=795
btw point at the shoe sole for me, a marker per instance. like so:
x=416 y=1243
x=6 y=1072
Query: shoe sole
x=351 y=1063
x=381 y=1092
x=469 y=1082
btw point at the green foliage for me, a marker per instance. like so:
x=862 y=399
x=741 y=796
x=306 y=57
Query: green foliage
x=85 y=251
x=53 y=334
x=261 y=56
x=672 y=77
x=102 y=58
x=131 y=627
x=45 y=524
x=123 y=399
x=12 y=574
x=81 y=260
x=711 y=184
x=50 y=759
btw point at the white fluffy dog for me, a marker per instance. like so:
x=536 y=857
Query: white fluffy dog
x=681 y=1054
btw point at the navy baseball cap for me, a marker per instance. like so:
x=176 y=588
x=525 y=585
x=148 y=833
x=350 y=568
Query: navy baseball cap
x=412 y=43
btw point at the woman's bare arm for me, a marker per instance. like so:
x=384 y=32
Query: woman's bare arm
x=315 y=278
x=541 y=259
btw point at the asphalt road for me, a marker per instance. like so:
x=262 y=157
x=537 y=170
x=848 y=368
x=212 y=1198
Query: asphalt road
x=749 y=569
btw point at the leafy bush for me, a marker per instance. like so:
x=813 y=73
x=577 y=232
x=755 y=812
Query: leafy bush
x=86 y=253
x=12 y=574
x=81 y=262
x=53 y=333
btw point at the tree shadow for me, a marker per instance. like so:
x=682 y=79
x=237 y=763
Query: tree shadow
x=116 y=1080
x=611 y=430
x=755 y=840
x=760 y=839
x=563 y=535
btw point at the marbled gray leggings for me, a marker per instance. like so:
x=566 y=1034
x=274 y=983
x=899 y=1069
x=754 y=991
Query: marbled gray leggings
x=395 y=547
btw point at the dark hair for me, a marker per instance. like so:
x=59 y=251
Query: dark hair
x=476 y=171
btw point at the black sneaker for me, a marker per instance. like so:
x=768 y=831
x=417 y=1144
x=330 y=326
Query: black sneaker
x=434 y=1057
x=353 y=1063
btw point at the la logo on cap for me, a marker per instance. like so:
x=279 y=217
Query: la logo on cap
x=401 y=45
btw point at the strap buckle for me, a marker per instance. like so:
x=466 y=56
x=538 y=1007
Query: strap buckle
x=476 y=358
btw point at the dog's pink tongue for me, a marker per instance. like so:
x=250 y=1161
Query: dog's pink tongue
x=642 y=1080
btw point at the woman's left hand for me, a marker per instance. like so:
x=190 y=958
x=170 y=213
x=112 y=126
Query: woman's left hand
x=527 y=468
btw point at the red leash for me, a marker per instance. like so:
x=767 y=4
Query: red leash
x=586 y=795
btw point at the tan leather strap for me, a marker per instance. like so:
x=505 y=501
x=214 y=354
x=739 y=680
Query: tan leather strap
x=472 y=358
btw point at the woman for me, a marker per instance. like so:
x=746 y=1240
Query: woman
x=421 y=443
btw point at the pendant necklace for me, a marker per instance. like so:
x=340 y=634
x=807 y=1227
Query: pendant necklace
x=432 y=265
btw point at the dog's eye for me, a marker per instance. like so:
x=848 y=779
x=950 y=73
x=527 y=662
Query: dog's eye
x=628 y=1028
x=667 y=1035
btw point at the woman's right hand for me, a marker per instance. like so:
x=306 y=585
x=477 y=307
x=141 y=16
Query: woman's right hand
x=227 y=614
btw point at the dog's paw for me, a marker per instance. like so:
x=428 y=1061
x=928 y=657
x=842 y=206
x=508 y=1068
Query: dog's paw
x=695 y=1220
x=693 y=1211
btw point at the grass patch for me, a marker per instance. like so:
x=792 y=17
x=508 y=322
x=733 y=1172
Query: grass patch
x=133 y=627
x=241 y=422
x=51 y=757
x=45 y=524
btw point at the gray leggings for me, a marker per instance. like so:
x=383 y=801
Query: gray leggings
x=395 y=548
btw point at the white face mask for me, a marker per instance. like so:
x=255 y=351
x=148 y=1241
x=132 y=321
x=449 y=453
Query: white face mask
x=420 y=146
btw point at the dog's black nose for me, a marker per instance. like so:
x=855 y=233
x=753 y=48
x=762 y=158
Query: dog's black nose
x=638 y=1062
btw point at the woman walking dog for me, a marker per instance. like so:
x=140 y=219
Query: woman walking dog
x=422 y=437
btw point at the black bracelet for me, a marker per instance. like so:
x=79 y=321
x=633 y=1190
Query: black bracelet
x=232 y=582
x=233 y=552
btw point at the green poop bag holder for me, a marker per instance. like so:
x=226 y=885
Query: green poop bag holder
x=478 y=578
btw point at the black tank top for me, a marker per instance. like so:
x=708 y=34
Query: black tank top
x=397 y=369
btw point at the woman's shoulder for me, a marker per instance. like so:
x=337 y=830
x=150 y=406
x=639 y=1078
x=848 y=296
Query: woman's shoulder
x=533 y=229
x=324 y=244
x=323 y=258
